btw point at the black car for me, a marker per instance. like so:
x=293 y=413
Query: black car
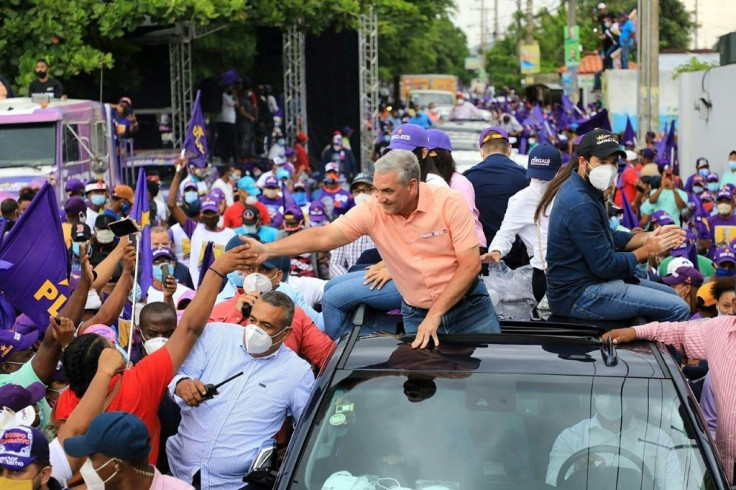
x=539 y=406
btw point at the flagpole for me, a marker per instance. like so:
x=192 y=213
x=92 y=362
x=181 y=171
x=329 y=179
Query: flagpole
x=135 y=303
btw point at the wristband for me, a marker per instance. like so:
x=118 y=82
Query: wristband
x=105 y=372
x=217 y=272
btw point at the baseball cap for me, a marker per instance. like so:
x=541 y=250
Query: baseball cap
x=216 y=194
x=123 y=192
x=102 y=221
x=362 y=178
x=16 y=397
x=75 y=205
x=492 y=133
x=251 y=215
x=698 y=179
x=191 y=185
x=81 y=232
x=544 y=161
x=162 y=251
x=614 y=210
x=209 y=204
x=73 y=185
x=21 y=446
x=661 y=218
x=647 y=153
x=678 y=262
x=300 y=186
x=706 y=196
x=408 y=137
x=12 y=342
x=97 y=185
x=701 y=162
x=724 y=194
x=705 y=295
x=126 y=100
x=600 y=143
x=289 y=152
x=301 y=136
x=712 y=177
x=248 y=185
x=332 y=167
x=724 y=255
x=271 y=182
x=282 y=173
x=317 y=212
x=279 y=161
x=684 y=275
x=601 y=6
x=438 y=139
x=347 y=129
x=187 y=296
x=631 y=155
x=116 y=434
x=295 y=211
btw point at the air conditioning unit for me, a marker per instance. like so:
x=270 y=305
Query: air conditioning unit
x=727 y=48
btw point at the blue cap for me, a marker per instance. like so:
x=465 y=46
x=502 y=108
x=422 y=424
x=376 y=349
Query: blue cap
x=544 y=161
x=408 y=137
x=116 y=434
x=438 y=139
x=248 y=185
x=282 y=173
x=21 y=446
x=492 y=133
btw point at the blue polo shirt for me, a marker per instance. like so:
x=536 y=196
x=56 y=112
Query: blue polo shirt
x=495 y=180
x=581 y=248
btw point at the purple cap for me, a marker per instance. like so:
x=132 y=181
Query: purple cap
x=698 y=179
x=24 y=325
x=661 y=218
x=724 y=255
x=187 y=295
x=73 y=185
x=684 y=275
x=438 y=139
x=190 y=185
x=578 y=140
x=229 y=77
x=492 y=133
x=712 y=177
x=271 y=182
x=279 y=161
x=216 y=194
x=21 y=446
x=408 y=137
x=317 y=212
x=11 y=342
x=706 y=196
x=724 y=194
x=210 y=205
x=295 y=210
x=347 y=130
x=289 y=152
x=75 y=205
x=647 y=153
x=16 y=397
x=162 y=251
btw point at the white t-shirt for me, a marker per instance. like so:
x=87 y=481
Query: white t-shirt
x=60 y=468
x=434 y=179
x=156 y=296
x=226 y=188
x=227 y=114
x=200 y=237
x=91 y=218
x=182 y=244
x=312 y=288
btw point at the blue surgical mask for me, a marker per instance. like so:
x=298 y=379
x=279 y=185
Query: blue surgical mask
x=732 y=165
x=75 y=248
x=281 y=142
x=135 y=295
x=615 y=221
x=234 y=177
x=300 y=198
x=713 y=186
x=123 y=352
x=704 y=172
x=158 y=274
x=191 y=196
x=125 y=208
x=725 y=272
x=98 y=199
x=698 y=189
x=236 y=279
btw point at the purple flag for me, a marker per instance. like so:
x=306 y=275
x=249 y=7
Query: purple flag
x=286 y=197
x=662 y=153
x=195 y=142
x=35 y=278
x=142 y=215
x=629 y=136
x=207 y=260
x=600 y=120
x=670 y=148
x=629 y=220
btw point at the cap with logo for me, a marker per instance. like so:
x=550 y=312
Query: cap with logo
x=216 y=194
x=332 y=167
x=162 y=251
x=724 y=255
x=600 y=143
x=544 y=162
x=210 y=205
x=293 y=212
x=116 y=434
x=97 y=185
x=74 y=206
x=317 y=212
x=12 y=342
x=299 y=185
x=271 y=182
x=705 y=295
x=492 y=133
x=16 y=397
x=190 y=185
x=438 y=139
x=362 y=178
x=408 y=137
x=712 y=177
x=701 y=162
x=684 y=275
x=248 y=185
x=251 y=215
x=73 y=185
x=698 y=179
x=648 y=153
x=724 y=194
x=684 y=249
x=661 y=218
x=678 y=262
x=102 y=222
x=123 y=192
x=21 y=446
x=81 y=232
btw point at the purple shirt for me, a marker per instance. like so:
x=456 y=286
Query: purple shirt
x=708 y=406
x=336 y=203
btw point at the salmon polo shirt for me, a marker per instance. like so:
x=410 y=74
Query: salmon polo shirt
x=420 y=251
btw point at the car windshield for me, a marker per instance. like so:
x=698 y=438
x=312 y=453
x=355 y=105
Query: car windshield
x=457 y=430
x=27 y=145
x=425 y=98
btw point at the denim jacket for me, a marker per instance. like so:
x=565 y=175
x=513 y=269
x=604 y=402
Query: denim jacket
x=581 y=247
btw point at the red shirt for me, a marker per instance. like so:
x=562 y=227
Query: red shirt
x=140 y=393
x=233 y=216
x=302 y=160
x=306 y=339
x=630 y=176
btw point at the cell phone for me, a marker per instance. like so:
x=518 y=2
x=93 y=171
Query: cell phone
x=123 y=227
x=165 y=273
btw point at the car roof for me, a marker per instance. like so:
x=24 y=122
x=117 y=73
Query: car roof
x=506 y=353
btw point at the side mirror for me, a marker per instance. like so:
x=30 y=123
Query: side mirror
x=263 y=471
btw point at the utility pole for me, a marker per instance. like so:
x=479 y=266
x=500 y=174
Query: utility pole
x=695 y=46
x=495 y=22
x=529 y=22
x=483 y=34
x=648 y=99
x=571 y=13
x=518 y=19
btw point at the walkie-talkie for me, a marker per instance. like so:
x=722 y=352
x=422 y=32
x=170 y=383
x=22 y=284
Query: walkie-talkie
x=212 y=389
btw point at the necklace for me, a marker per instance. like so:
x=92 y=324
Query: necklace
x=149 y=474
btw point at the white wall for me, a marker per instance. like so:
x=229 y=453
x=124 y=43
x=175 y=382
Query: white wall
x=713 y=138
x=620 y=99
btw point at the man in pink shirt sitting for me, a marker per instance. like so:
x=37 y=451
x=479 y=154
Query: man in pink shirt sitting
x=426 y=237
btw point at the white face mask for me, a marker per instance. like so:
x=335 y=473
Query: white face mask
x=90 y=476
x=257 y=341
x=154 y=344
x=362 y=197
x=602 y=176
x=105 y=236
x=724 y=208
x=250 y=200
x=257 y=282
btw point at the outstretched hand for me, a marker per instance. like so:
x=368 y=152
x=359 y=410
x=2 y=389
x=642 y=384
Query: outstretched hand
x=239 y=258
x=620 y=335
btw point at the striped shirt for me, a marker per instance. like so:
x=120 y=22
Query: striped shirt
x=715 y=341
x=220 y=438
x=343 y=258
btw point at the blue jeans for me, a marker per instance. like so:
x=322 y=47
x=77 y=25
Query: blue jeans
x=474 y=313
x=345 y=293
x=625 y=50
x=616 y=300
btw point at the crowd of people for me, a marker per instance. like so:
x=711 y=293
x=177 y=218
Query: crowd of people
x=255 y=276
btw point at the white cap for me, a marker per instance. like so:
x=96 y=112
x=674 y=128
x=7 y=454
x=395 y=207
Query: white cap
x=97 y=185
x=601 y=6
x=676 y=263
x=631 y=156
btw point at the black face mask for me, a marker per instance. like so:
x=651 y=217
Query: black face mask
x=41 y=74
x=153 y=188
x=209 y=221
x=506 y=119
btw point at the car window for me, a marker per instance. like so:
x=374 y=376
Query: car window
x=468 y=431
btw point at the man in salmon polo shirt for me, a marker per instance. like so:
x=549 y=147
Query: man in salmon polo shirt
x=428 y=242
